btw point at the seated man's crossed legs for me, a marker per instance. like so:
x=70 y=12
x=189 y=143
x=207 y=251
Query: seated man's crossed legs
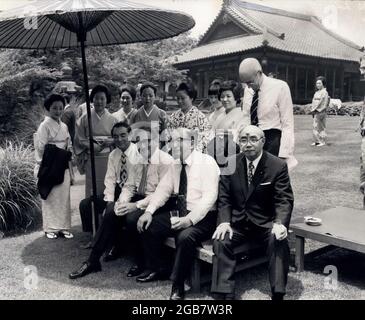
x=107 y=236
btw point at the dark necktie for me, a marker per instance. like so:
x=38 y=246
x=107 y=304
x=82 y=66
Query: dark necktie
x=123 y=170
x=253 y=110
x=251 y=167
x=183 y=190
x=142 y=185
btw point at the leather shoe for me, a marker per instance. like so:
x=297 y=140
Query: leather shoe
x=86 y=268
x=134 y=271
x=177 y=292
x=152 y=276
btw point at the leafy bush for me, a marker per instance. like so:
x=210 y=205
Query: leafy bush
x=19 y=202
x=21 y=110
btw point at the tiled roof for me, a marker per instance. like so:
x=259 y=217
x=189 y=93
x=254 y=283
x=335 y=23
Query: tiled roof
x=282 y=30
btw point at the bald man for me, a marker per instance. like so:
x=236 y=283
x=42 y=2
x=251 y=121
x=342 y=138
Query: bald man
x=255 y=202
x=268 y=104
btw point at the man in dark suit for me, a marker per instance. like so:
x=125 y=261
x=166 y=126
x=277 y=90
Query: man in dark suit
x=255 y=202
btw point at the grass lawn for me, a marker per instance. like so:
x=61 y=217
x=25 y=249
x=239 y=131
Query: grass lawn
x=325 y=177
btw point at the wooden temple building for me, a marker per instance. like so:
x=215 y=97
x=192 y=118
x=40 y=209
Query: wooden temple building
x=294 y=47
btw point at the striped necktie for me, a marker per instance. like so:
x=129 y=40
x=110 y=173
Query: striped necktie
x=251 y=167
x=123 y=170
x=253 y=110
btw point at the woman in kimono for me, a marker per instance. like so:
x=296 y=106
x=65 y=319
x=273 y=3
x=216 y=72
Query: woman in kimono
x=232 y=120
x=318 y=109
x=149 y=115
x=189 y=116
x=102 y=124
x=127 y=96
x=56 y=210
x=217 y=107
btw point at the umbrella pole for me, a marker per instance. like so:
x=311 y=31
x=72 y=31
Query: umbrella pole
x=82 y=39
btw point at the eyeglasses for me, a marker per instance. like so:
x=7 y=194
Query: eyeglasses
x=252 y=140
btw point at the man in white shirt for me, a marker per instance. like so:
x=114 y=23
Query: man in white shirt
x=138 y=190
x=194 y=177
x=267 y=103
x=255 y=202
x=123 y=160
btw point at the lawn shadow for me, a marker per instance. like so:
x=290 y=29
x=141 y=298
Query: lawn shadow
x=350 y=265
x=55 y=259
x=253 y=284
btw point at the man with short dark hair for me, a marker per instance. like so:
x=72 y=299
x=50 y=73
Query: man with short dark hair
x=123 y=160
x=255 y=202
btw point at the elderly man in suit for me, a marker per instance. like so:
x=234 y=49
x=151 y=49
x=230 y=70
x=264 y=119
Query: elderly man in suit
x=255 y=202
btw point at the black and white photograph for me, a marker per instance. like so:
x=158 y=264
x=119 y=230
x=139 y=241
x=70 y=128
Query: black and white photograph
x=184 y=150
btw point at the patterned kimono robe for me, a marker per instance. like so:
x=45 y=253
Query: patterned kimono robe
x=196 y=120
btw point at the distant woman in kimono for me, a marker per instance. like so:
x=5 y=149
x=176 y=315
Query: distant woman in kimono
x=56 y=211
x=319 y=109
x=232 y=120
x=102 y=124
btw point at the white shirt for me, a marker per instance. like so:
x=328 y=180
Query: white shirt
x=112 y=176
x=255 y=163
x=202 y=190
x=158 y=167
x=274 y=111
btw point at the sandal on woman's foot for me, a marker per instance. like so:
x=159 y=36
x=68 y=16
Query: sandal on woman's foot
x=51 y=235
x=66 y=234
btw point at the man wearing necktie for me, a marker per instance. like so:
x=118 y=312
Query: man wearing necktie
x=123 y=160
x=138 y=190
x=268 y=104
x=255 y=202
x=191 y=185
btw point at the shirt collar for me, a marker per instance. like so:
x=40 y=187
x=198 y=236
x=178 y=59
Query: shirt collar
x=265 y=78
x=256 y=161
x=190 y=158
x=128 y=151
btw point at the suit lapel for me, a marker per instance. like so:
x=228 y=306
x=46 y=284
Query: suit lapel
x=242 y=172
x=257 y=177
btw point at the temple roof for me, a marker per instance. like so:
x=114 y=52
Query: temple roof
x=274 y=28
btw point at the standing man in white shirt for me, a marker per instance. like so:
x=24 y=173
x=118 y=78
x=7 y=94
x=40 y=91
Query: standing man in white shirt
x=267 y=103
x=194 y=177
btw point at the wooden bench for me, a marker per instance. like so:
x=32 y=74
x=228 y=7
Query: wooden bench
x=341 y=227
x=248 y=254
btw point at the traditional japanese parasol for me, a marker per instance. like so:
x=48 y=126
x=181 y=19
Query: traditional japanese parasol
x=54 y=24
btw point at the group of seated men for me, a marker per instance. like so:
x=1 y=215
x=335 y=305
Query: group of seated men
x=145 y=186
